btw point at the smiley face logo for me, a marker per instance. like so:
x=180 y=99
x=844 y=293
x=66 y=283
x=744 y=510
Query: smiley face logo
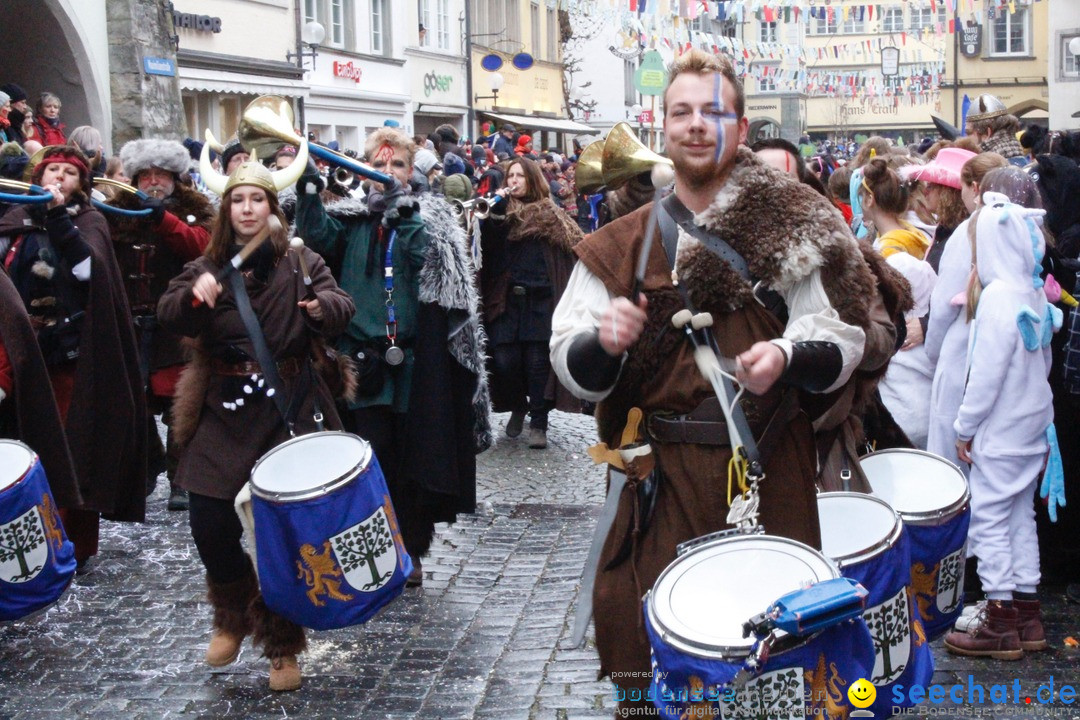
x=862 y=693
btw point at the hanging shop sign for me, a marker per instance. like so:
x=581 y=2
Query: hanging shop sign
x=971 y=40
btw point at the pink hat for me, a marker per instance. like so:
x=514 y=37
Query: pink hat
x=942 y=170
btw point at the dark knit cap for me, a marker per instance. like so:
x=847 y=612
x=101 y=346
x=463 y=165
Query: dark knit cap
x=15 y=92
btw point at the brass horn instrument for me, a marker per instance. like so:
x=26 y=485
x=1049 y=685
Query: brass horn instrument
x=29 y=194
x=461 y=209
x=625 y=157
x=267 y=124
x=484 y=205
x=589 y=175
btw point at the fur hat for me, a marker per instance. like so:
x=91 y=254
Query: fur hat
x=139 y=155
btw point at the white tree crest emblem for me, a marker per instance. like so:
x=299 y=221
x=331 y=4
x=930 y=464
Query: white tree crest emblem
x=950 y=580
x=23 y=549
x=366 y=552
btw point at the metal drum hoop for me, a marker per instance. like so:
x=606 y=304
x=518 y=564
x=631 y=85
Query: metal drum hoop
x=309 y=493
x=940 y=516
x=735 y=653
x=881 y=546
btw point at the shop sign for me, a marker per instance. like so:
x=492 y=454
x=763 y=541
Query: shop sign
x=348 y=70
x=159 y=66
x=646 y=116
x=202 y=23
x=971 y=40
x=436 y=83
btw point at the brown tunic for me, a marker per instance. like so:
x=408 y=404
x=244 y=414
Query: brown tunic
x=660 y=376
x=219 y=456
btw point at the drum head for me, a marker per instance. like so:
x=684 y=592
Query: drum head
x=922 y=487
x=701 y=600
x=855 y=527
x=15 y=460
x=309 y=465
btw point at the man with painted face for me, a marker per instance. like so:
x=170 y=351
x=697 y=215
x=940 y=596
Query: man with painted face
x=151 y=251
x=789 y=299
x=422 y=399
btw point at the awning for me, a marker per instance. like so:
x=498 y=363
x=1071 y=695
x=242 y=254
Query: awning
x=429 y=109
x=205 y=80
x=541 y=123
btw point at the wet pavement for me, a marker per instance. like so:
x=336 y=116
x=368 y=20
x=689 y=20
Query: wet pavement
x=486 y=637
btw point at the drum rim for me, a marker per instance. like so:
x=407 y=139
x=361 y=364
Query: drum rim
x=728 y=653
x=880 y=547
x=34 y=460
x=940 y=516
x=315 y=492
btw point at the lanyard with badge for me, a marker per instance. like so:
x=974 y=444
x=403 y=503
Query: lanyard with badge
x=394 y=355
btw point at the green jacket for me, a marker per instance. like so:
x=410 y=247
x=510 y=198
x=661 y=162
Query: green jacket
x=344 y=240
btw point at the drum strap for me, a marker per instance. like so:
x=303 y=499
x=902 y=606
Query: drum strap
x=262 y=351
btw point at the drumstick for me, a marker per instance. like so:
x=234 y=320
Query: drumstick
x=272 y=225
x=297 y=244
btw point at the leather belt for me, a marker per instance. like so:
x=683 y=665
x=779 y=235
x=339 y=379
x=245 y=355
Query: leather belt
x=705 y=425
x=289 y=367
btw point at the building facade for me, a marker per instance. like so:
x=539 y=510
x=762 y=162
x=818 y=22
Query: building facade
x=517 y=68
x=223 y=64
x=1064 y=73
x=435 y=56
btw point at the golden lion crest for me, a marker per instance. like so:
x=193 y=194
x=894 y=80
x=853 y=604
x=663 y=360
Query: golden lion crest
x=318 y=573
x=924 y=585
x=51 y=519
x=826 y=697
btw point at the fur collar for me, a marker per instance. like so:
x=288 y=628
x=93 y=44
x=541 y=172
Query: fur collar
x=542 y=219
x=785 y=231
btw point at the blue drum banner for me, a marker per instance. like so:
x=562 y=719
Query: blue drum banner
x=937 y=571
x=335 y=560
x=37 y=561
x=806 y=681
x=901 y=649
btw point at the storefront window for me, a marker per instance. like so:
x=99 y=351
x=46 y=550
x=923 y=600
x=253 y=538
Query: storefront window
x=1010 y=32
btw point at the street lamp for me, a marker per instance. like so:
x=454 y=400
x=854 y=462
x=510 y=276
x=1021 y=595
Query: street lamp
x=1074 y=46
x=312 y=35
x=495 y=82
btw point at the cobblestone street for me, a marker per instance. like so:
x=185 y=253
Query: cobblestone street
x=486 y=637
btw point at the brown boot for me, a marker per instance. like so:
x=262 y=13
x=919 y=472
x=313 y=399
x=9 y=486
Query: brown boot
x=1029 y=625
x=281 y=640
x=232 y=623
x=994 y=636
x=284 y=673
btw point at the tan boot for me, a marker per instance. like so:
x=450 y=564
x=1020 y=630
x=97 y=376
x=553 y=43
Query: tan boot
x=224 y=648
x=284 y=673
x=993 y=636
x=232 y=622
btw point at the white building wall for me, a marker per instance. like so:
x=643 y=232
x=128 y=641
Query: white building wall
x=1064 y=90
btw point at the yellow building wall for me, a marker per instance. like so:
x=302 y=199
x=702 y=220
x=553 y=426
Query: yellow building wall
x=538 y=89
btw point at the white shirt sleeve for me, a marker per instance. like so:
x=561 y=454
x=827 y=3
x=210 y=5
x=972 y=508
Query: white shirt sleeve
x=579 y=311
x=812 y=317
x=82 y=270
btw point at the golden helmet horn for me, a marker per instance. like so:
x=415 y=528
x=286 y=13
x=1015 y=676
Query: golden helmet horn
x=589 y=175
x=266 y=125
x=625 y=156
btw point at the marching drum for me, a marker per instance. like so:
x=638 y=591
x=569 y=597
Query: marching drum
x=931 y=495
x=37 y=561
x=866 y=538
x=694 y=618
x=329 y=550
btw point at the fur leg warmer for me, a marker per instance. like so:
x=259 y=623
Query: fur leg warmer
x=277 y=636
x=231 y=601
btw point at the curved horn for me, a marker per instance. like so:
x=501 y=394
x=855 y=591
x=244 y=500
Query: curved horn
x=213 y=179
x=288 y=176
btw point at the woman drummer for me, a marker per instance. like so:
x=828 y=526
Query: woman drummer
x=226 y=415
x=527 y=246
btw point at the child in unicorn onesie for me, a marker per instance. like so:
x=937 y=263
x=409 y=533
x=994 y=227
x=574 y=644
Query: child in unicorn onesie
x=1004 y=425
